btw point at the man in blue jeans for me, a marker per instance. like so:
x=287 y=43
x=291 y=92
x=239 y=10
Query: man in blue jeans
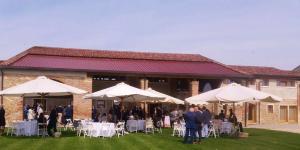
x=190 y=125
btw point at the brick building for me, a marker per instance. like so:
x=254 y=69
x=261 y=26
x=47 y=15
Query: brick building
x=179 y=75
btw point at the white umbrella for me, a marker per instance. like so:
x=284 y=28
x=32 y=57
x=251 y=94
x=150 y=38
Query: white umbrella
x=41 y=86
x=233 y=93
x=123 y=92
x=167 y=98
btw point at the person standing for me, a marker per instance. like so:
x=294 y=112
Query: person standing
x=206 y=121
x=39 y=110
x=51 y=128
x=68 y=112
x=2 y=119
x=31 y=114
x=199 y=121
x=190 y=125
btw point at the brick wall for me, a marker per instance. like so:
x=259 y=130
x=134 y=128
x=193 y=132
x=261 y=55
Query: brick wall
x=14 y=105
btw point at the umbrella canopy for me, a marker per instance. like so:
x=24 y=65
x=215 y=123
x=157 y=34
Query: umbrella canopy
x=233 y=93
x=123 y=92
x=167 y=98
x=41 y=86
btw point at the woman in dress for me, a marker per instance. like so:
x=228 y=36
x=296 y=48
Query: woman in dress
x=2 y=119
x=52 y=122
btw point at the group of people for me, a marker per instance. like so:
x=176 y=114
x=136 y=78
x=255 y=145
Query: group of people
x=33 y=112
x=117 y=113
x=197 y=121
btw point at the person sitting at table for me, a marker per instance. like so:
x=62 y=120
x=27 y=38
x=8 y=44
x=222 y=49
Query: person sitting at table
x=51 y=128
x=2 y=119
x=104 y=117
x=42 y=120
x=233 y=119
x=221 y=115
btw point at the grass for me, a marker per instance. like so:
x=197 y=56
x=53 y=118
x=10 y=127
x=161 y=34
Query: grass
x=259 y=139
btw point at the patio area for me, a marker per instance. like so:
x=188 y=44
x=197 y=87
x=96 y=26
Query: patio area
x=293 y=128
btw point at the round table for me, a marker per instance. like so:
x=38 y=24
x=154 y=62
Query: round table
x=135 y=125
x=26 y=128
x=97 y=129
x=226 y=127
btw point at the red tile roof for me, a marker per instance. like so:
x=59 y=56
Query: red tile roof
x=265 y=71
x=74 y=52
x=120 y=61
x=297 y=69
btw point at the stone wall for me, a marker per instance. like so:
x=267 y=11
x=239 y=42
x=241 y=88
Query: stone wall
x=14 y=105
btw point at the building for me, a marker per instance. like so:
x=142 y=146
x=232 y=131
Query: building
x=278 y=82
x=297 y=69
x=179 y=75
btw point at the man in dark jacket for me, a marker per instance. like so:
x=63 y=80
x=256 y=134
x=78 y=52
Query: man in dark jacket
x=206 y=121
x=190 y=125
x=199 y=121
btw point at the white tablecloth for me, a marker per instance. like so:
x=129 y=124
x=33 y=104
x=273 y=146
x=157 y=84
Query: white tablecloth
x=226 y=127
x=97 y=129
x=135 y=125
x=26 y=128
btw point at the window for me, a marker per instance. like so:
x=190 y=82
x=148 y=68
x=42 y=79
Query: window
x=157 y=80
x=265 y=82
x=270 y=109
x=109 y=78
x=286 y=83
x=182 y=85
x=251 y=82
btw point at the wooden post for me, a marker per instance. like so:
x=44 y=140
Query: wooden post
x=246 y=113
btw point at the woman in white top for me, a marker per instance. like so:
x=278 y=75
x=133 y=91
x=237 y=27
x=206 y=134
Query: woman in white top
x=40 y=110
x=31 y=114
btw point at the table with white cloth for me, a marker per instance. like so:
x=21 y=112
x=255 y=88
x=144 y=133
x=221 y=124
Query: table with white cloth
x=226 y=127
x=135 y=125
x=97 y=129
x=26 y=128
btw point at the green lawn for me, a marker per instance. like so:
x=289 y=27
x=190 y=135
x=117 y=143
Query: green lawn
x=259 y=139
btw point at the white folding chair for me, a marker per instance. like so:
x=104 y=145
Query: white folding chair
x=120 y=128
x=42 y=129
x=149 y=127
x=69 y=125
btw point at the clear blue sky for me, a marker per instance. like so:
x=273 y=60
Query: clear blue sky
x=242 y=32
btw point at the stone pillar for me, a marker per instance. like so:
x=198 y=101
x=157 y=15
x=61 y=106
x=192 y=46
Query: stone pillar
x=144 y=85
x=82 y=108
x=194 y=87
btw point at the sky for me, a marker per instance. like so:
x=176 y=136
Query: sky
x=239 y=32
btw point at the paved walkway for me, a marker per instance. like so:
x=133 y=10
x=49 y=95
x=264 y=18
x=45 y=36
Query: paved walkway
x=294 y=128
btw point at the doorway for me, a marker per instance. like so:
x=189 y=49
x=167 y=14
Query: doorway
x=251 y=113
x=293 y=117
x=283 y=114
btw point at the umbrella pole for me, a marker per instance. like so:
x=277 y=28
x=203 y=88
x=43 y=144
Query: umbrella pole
x=245 y=114
x=121 y=106
x=233 y=106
